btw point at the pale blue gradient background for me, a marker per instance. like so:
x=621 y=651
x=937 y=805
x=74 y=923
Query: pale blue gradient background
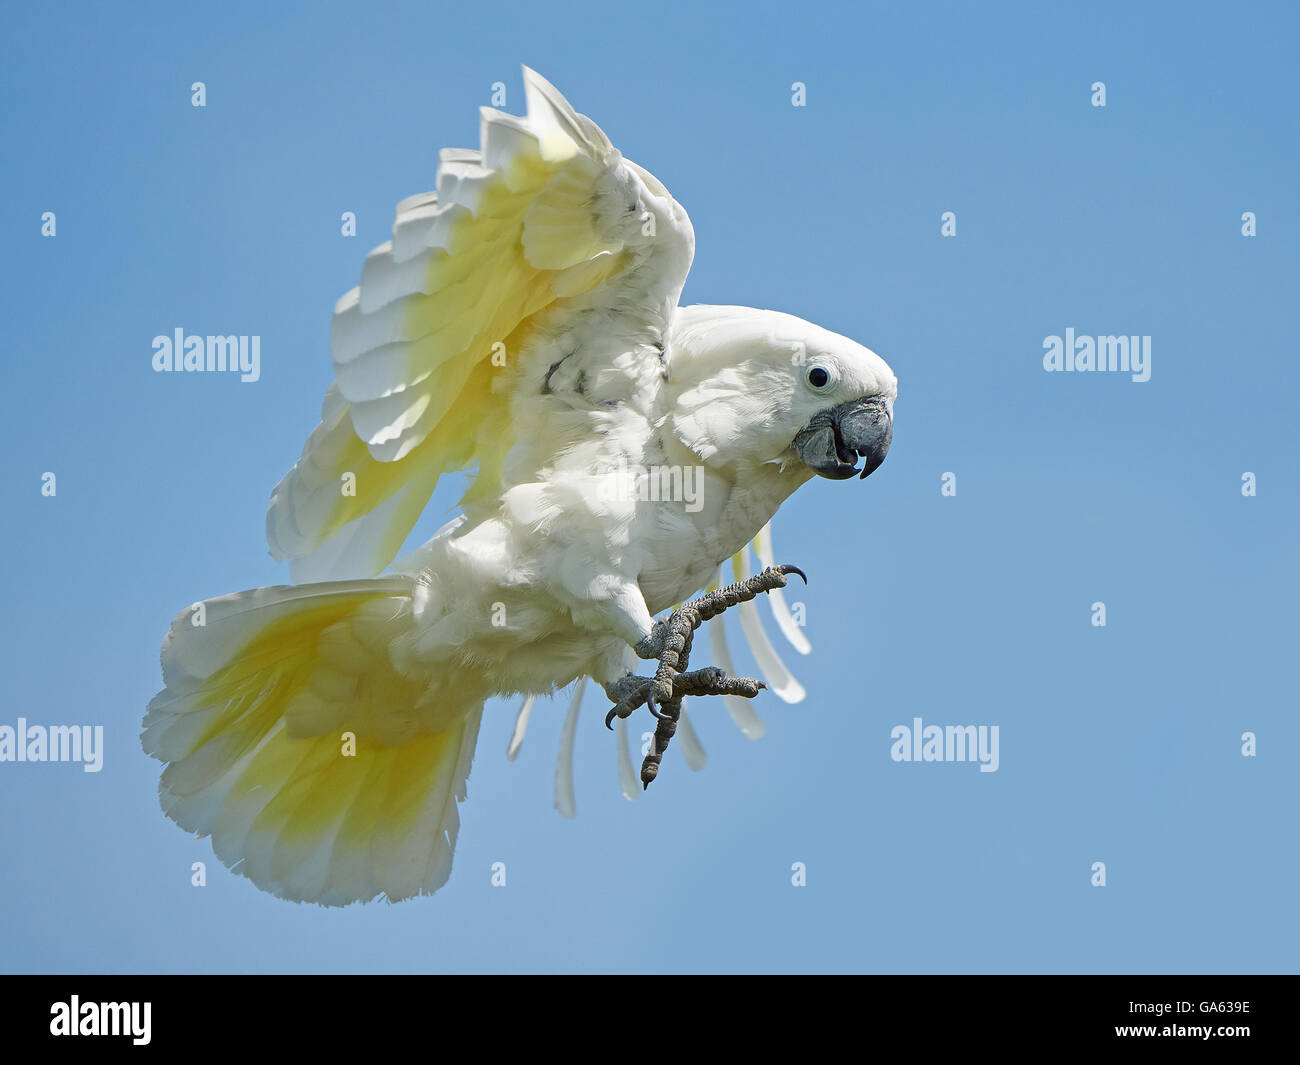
x=1119 y=745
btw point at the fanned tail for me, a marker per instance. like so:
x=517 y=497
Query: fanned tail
x=297 y=746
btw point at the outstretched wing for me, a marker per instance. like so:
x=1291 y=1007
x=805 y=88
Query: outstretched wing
x=544 y=223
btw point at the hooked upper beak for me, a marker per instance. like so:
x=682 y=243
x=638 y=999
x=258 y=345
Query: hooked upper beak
x=834 y=438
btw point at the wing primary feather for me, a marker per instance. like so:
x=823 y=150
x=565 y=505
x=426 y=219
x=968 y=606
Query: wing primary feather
x=627 y=777
x=521 y=726
x=692 y=750
x=776 y=597
x=745 y=716
x=778 y=678
x=565 y=802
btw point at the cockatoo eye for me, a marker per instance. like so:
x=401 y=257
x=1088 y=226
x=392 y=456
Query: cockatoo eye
x=819 y=378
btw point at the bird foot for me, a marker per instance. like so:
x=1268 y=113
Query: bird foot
x=670 y=644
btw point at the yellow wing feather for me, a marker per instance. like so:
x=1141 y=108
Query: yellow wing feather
x=425 y=347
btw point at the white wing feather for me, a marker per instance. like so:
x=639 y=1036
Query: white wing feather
x=565 y=802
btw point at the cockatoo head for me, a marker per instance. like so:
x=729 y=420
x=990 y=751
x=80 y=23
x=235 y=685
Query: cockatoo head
x=767 y=387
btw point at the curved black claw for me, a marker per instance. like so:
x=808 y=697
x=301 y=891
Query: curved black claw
x=787 y=569
x=650 y=704
x=609 y=719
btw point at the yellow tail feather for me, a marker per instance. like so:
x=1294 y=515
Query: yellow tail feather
x=297 y=746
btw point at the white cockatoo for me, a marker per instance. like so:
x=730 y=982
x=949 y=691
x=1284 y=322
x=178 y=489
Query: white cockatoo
x=522 y=323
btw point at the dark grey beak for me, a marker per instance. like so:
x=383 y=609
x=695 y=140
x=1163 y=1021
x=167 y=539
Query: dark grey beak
x=834 y=438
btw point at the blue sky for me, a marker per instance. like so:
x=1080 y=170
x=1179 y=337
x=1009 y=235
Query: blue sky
x=1119 y=744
